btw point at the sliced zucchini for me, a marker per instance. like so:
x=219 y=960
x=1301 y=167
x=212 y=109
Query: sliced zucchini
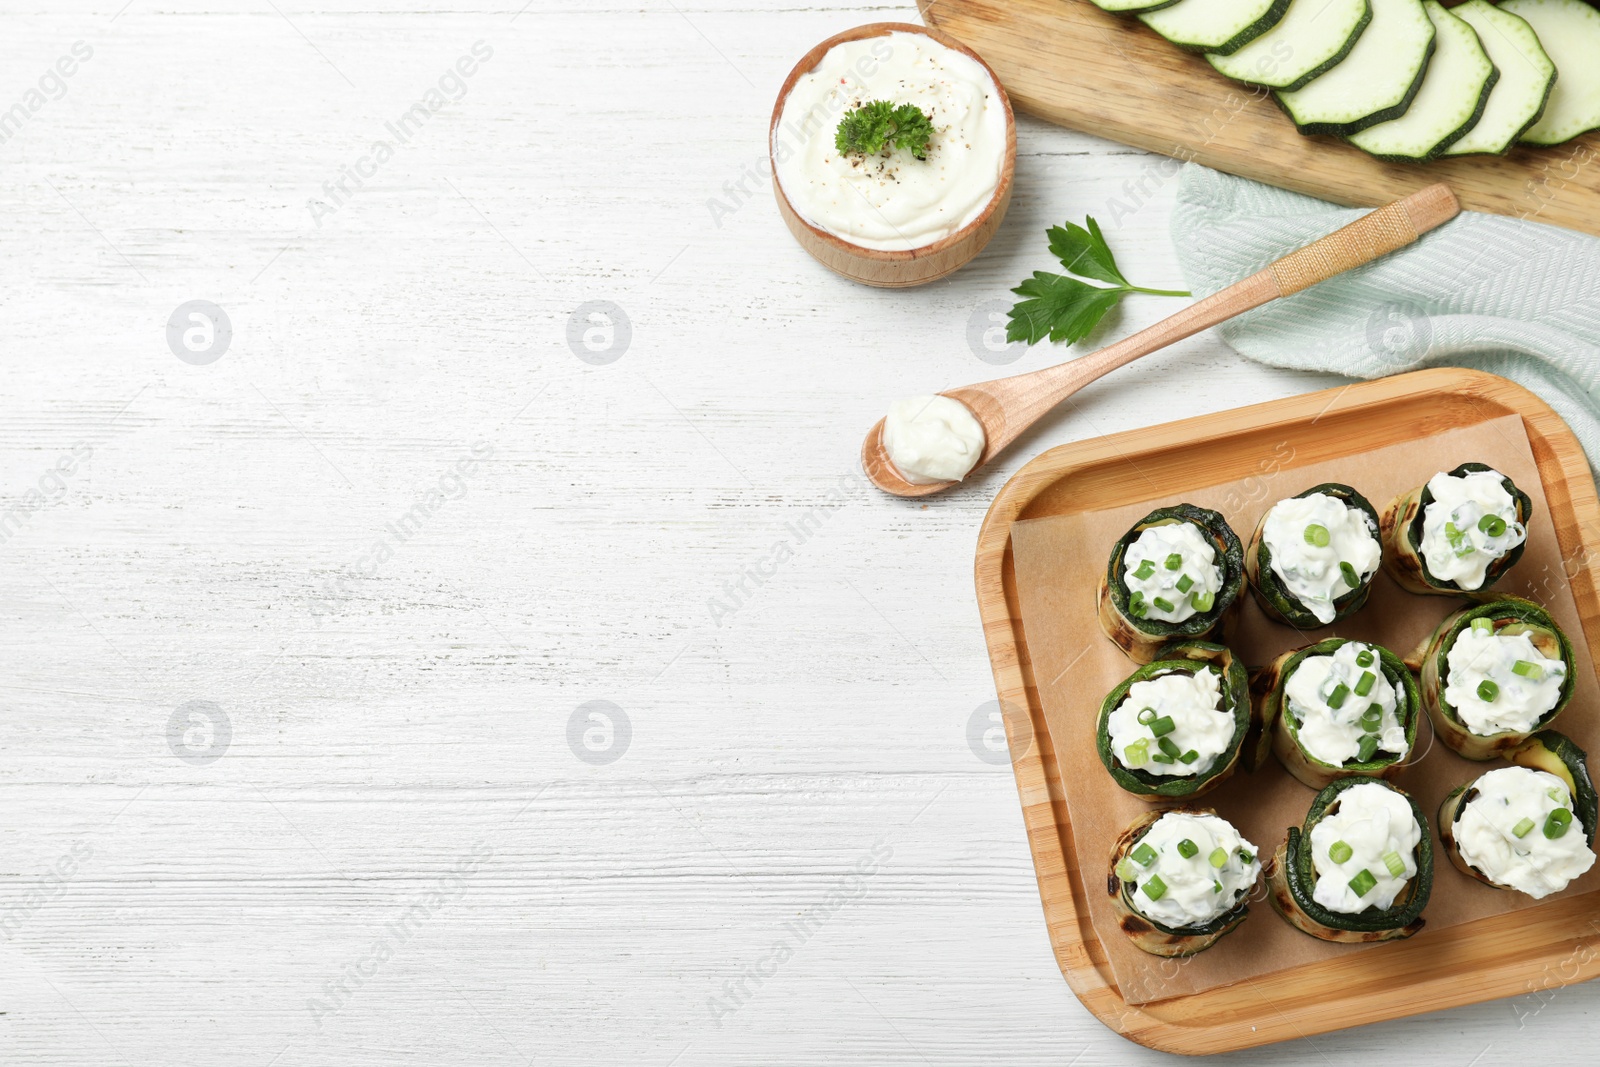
x=1292 y=880
x=1401 y=528
x=1508 y=616
x=1157 y=938
x=1569 y=30
x=1220 y=26
x=1313 y=36
x=1140 y=636
x=1286 y=743
x=1132 y=7
x=1376 y=81
x=1182 y=657
x=1526 y=77
x=1268 y=588
x=1451 y=100
x=1558 y=754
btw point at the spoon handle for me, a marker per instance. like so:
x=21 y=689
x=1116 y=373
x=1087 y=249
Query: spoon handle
x=1011 y=405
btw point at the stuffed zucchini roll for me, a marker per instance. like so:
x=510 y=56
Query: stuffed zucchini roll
x=1339 y=709
x=1180 y=880
x=1493 y=674
x=1458 y=534
x=1175 y=726
x=1360 y=869
x=1174 y=575
x=1530 y=827
x=1312 y=557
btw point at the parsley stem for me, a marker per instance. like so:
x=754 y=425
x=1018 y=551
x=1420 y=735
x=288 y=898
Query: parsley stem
x=1157 y=292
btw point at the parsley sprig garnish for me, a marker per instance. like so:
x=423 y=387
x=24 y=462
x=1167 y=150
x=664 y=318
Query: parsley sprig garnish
x=1066 y=309
x=878 y=124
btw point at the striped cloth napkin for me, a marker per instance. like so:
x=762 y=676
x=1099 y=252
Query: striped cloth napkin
x=1516 y=298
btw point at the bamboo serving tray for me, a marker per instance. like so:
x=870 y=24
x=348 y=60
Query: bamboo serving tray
x=1070 y=63
x=1539 y=947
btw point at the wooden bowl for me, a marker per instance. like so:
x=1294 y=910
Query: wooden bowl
x=915 y=266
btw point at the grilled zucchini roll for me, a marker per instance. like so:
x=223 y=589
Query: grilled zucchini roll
x=1175 y=727
x=1312 y=557
x=1530 y=827
x=1340 y=709
x=1180 y=880
x=1175 y=575
x=1458 y=534
x=1361 y=867
x=1493 y=674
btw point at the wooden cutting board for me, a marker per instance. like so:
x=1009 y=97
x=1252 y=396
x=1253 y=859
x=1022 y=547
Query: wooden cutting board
x=1071 y=63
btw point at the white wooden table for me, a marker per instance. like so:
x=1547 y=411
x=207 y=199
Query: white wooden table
x=298 y=756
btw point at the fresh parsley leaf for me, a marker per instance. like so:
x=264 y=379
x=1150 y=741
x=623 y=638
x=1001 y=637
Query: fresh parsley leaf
x=1058 y=307
x=878 y=124
x=1066 y=309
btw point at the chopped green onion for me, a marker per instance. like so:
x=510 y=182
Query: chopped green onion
x=1144 y=855
x=1522 y=828
x=1160 y=757
x=1317 y=534
x=1337 y=698
x=1155 y=888
x=1557 y=823
x=1145 y=569
x=1362 y=883
x=1525 y=669
x=1372 y=718
x=1146 y=716
x=1557 y=794
x=1367 y=747
x=1219 y=857
x=1487 y=691
x=1246 y=857
x=1396 y=865
x=1453 y=534
x=1163 y=604
x=1348 y=573
x=1339 y=852
x=1188 y=849
x=1493 y=525
x=1137 y=754
x=1170 y=747
x=1162 y=726
x=1483 y=626
x=1365 y=658
x=1216 y=887
x=1189 y=756
x=1174 y=562
x=1127 y=871
x=1136 y=605
x=1364 y=683
x=1202 y=601
x=1185 y=583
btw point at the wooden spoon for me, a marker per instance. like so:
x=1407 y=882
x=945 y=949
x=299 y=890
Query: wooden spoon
x=1008 y=406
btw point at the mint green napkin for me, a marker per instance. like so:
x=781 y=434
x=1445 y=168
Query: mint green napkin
x=1512 y=297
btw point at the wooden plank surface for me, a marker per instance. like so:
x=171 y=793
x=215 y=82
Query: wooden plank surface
x=1494 y=957
x=1073 y=64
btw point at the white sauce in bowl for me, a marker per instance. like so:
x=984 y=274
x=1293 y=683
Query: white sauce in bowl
x=892 y=201
x=1372 y=822
x=1200 y=726
x=1182 y=572
x=932 y=439
x=1519 y=701
x=1310 y=570
x=1453 y=545
x=1194 y=889
x=1486 y=832
x=1333 y=735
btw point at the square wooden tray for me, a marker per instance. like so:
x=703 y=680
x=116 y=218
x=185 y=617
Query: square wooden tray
x=1540 y=947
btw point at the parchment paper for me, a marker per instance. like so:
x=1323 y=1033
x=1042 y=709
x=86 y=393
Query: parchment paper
x=1058 y=562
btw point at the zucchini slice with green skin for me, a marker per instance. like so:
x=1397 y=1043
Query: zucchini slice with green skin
x=1268 y=588
x=1141 y=638
x=1147 y=934
x=1220 y=26
x=1286 y=743
x=1376 y=82
x=1549 y=751
x=1569 y=30
x=1132 y=7
x=1452 y=98
x=1509 y=616
x=1312 y=38
x=1401 y=528
x=1527 y=77
x=1187 y=657
x=1292 y=880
